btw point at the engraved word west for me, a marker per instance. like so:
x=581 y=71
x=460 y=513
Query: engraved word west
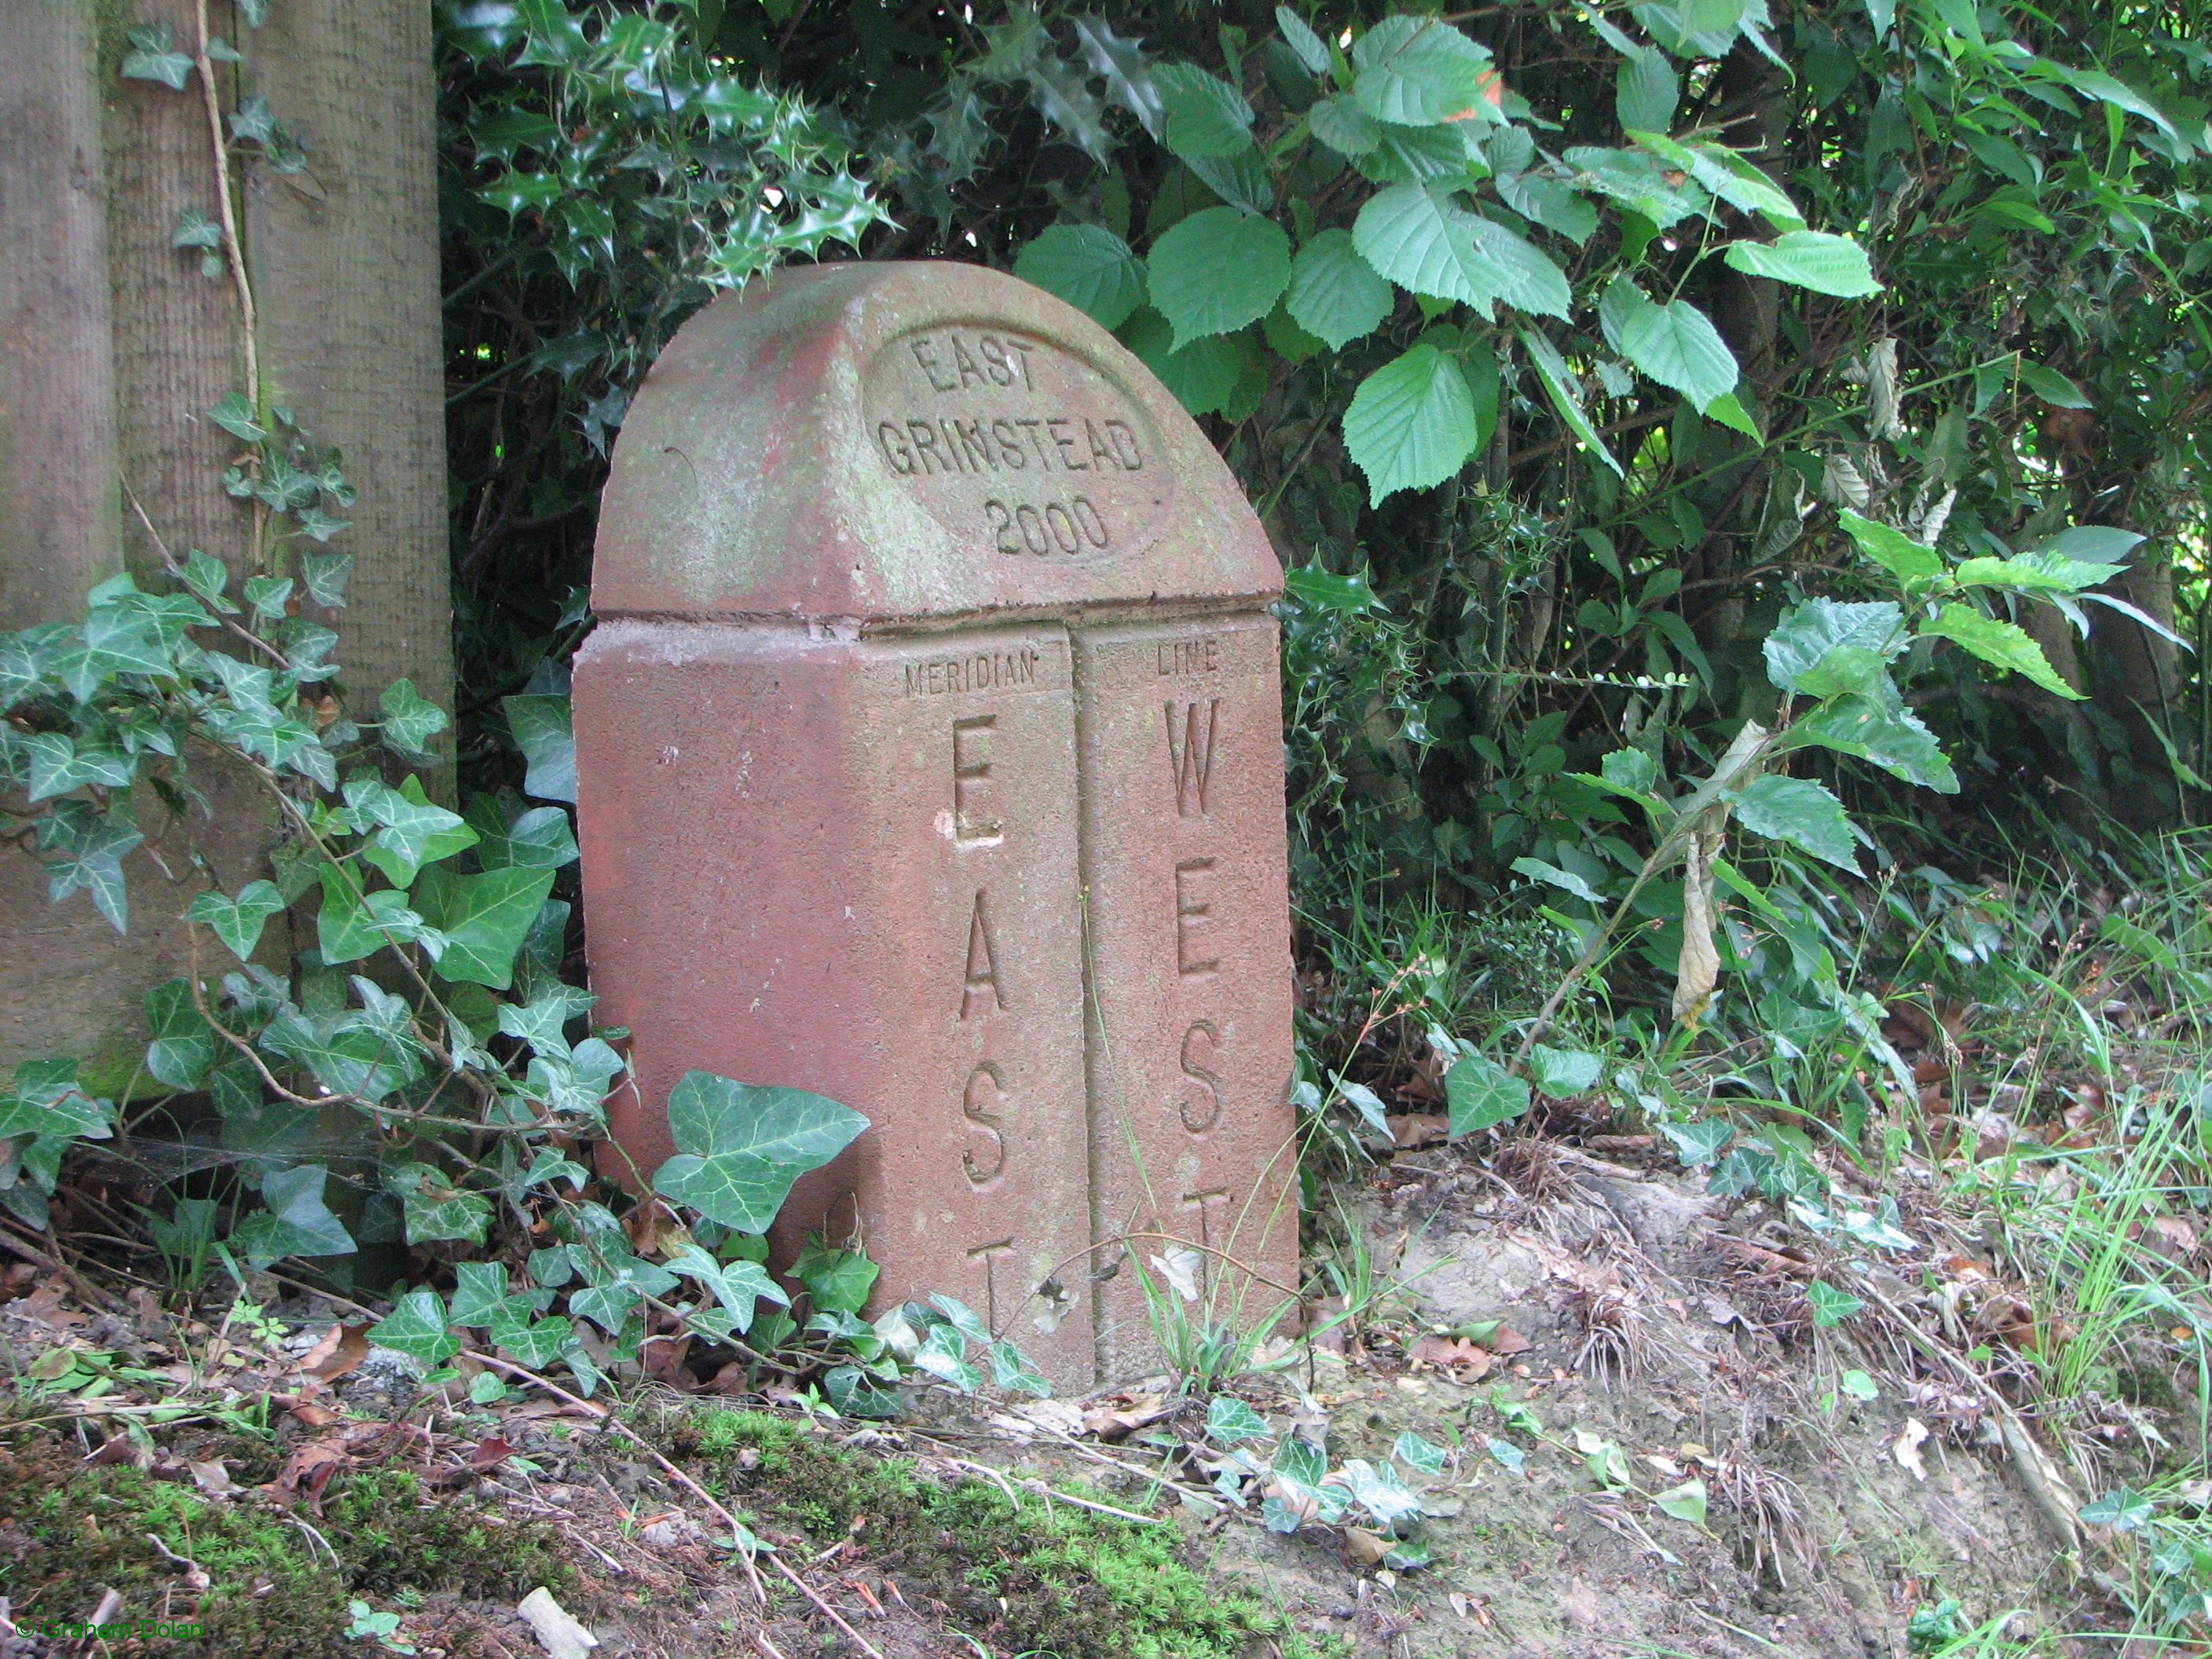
x=990 y=849
x=1015 y=444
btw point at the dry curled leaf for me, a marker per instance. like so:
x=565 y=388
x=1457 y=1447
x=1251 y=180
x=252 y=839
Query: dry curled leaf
x=341 y=1351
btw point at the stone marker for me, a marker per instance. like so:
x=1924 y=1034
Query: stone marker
x=929 y=756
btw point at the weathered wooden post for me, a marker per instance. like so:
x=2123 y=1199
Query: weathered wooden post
x=113 y=345
x=929 y=756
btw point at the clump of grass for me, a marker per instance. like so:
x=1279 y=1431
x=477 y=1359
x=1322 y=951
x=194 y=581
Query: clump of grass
x=1020 y=1574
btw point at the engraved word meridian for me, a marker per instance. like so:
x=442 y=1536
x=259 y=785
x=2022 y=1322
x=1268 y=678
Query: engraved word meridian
x=1019 y=442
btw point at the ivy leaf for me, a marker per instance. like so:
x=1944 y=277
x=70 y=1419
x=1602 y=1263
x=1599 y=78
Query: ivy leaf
x=1677 y=345
x=46 y=1100
x=1480 y=1094
x=1206 y=116
x=1830 y=1307
x=481 y=1290
x=345 y=1059
x=1416 y=71
x=235 y=414
x=183 y=1046
x=2123 y=1509
x=484 y=918
x=1335 y=294
x=1010 y=1370
x=152 y=57
x=89 y=848
x=1801 y=813
x=1088 y=266
x=1217 y=271
x=1411 y=423
x=1230 y=1421
x=1415 y=236
x=59 y=765
x=410 y=722
x=1558 y=382
x=534 y=1344
x=416 y=1327
x=412 y=832
x=539 y=839
x=541 y=729
x=351 y=925
x=195 y=229
x=1379 y=1491
x=1700 y=1141
x=1422 y=1457
x=2001 y=644
x=435 y=1208
x=1562 y=1072
x=1814 y=259
x=740 y=1147
x=237 y=922
x=737 y=1286
x=836 y=1281
x=293 y=1219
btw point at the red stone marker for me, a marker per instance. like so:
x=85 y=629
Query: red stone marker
x=929 y=756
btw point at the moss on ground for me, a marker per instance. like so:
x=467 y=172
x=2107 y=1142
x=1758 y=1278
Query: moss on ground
x=1020 y=1575
x=68 y=1532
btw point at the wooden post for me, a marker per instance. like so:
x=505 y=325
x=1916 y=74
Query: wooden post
x=114 y=345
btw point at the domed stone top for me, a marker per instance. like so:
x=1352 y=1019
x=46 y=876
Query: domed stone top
x=869 y=444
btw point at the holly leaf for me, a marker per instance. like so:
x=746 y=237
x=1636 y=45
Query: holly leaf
x=740 y=1147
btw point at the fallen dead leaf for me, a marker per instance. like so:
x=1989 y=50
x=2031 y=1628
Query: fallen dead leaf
x=1906 y=1452
x=341 y=1351
x=1124 y=1414
x=1364 y=1549
x=1409 y=1131
x=1506 y=1342
x=491 y=1452
x=213 y=1478
x=1468 y=1362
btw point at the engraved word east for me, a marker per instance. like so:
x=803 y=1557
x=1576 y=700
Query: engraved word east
x=1014 y=445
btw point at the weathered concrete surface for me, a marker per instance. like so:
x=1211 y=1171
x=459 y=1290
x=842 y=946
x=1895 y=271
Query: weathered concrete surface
x=929 y=756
